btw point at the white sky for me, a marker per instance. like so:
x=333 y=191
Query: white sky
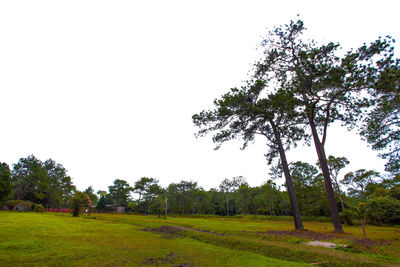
x=108 y=88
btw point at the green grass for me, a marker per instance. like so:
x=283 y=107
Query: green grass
x=52 y=239
x=57 y=239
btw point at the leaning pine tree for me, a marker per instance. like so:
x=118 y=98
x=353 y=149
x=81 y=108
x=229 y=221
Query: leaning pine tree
x=326 y=86
x=244 y=113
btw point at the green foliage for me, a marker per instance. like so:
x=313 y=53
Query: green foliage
x=22 y=205
x=101 y=205
x=5 y=181
x=359 y=181
x=132 y=207
x=184 y=197
x=347 y=216
x=119 y=192
x=41 y=182
x=158 y=206
x=310 y=189
x=335 y=165
x=38 y=208
x=348 y=247
x=295 y=240
x=326 y=86
x=381 y=126
x=148 y=189
x=60 y=187
x=383 y=209
x=79 y=202
x=394 y=192
x=19 y=205
x=93 y=197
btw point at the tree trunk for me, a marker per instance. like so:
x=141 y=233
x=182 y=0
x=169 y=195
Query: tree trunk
x=166 y=207
x=340 y=196
x=236 y=209
x=298 y=224
x=325 y=171
x=227 y=204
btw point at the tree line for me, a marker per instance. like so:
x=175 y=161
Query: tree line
x=362 y=193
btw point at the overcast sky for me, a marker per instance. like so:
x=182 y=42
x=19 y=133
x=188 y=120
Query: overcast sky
x=108 y=88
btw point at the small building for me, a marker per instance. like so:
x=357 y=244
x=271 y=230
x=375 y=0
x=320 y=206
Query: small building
x=119 y=208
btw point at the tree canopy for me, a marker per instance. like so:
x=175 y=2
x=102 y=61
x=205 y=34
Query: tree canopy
x=5 y=181
x=41 y=182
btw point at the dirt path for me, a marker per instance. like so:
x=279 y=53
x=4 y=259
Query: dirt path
x=173 y=230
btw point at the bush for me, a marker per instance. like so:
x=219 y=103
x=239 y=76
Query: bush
x=132 y=207
x=383 y=210
x=79 y=201
x=18 y=205
x=347 y=216
x=38 y=208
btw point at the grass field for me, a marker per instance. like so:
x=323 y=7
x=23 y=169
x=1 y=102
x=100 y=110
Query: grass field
x=52 y=239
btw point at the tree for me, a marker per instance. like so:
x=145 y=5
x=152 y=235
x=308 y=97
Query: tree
x=146 y=188
x=101 y=193
x=217 y=201
x=158 y=206
x=5 y=181
x=382 y=207
x=326 y=86
x=79 y=202
x=226 y=187
x=153 y=197
x=243 y=193
x=335 y=165
x=201 y=201
x=42 y=182
x=120 y=191
x=29 y=180
x=143 y=185
x=60 y=189
x=93 y=197
x=244 y=113
x=101 y=205
x=381 y=126
x=255 y=198
x=309 y=188
x=236 y=183
x=270 y=197
x=359 y=181
x=182 y=193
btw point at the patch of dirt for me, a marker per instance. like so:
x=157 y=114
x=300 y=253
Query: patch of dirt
x=323 y=236
x=303 y=234
x=205 y=231
x=172 y=231
x=168 y=231
x=369 y=242
x=170 y=258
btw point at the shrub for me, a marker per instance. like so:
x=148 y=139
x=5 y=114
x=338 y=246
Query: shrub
x=132 y=207
x=18 y=205
x=79 y=201
x=347 y=216
x=383 y=210
x=38 y=207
